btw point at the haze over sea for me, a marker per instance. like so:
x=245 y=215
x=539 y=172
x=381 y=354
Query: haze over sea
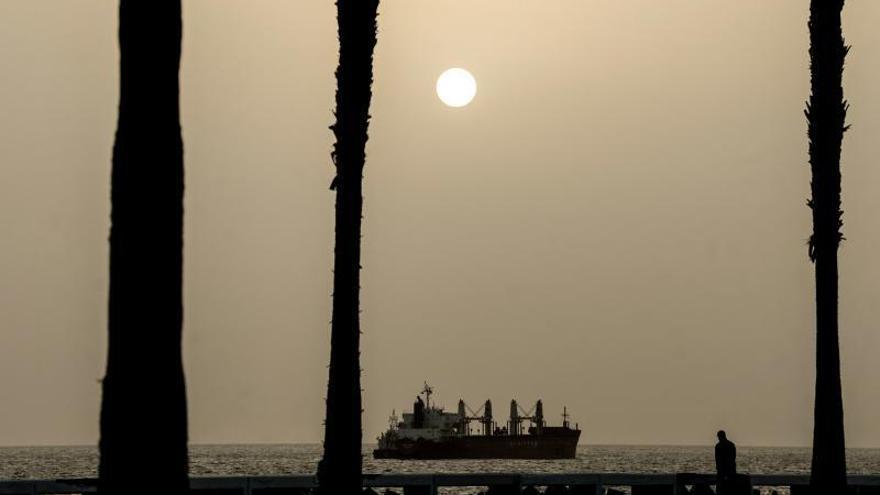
x=241 y=460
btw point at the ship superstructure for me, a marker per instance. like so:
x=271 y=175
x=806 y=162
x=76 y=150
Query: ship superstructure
x=429 y=432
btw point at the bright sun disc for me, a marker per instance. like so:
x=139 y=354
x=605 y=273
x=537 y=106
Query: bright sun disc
x=456 y=87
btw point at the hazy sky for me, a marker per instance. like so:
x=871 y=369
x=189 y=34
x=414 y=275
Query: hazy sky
x=617 y=223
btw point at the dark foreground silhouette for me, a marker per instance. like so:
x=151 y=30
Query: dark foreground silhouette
x=826 y=114
x=143 y=409
x=339 y=472
x=729 y=482
x=725 y=457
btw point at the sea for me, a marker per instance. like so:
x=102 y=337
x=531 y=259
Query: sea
x=286 y=459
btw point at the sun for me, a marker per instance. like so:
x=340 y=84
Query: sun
x=456 y=87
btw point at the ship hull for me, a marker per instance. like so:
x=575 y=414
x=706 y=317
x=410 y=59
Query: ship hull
x=485 y=447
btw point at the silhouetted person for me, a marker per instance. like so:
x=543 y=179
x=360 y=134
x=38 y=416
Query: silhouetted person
x=725 y=462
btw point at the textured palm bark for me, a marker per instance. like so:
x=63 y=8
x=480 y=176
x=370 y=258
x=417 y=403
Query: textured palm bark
x=143 y=445
x=826 y=113
x=339 y=471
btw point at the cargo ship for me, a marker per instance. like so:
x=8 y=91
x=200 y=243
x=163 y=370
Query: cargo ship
x=429 y=432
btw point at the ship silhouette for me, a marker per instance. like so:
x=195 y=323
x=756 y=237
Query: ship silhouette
x=429 y=432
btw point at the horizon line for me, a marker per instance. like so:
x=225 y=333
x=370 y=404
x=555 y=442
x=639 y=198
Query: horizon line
x=257 y=443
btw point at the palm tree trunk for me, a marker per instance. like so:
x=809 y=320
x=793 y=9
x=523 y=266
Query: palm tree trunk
x=340 y=469
x=143 y=411
x=826 y=113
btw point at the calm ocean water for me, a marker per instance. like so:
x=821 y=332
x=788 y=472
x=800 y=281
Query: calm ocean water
x=223 y=460
x=217 y=460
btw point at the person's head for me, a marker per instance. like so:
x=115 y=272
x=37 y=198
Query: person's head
x=722 y=435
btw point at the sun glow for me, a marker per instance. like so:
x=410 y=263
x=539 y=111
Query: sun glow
x=456 y=87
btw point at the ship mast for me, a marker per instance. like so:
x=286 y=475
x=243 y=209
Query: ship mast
x=393 y=420
x=427 y=391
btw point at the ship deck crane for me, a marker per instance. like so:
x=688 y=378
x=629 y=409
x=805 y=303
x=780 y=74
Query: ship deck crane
x=518 y=415
x=484 y=419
